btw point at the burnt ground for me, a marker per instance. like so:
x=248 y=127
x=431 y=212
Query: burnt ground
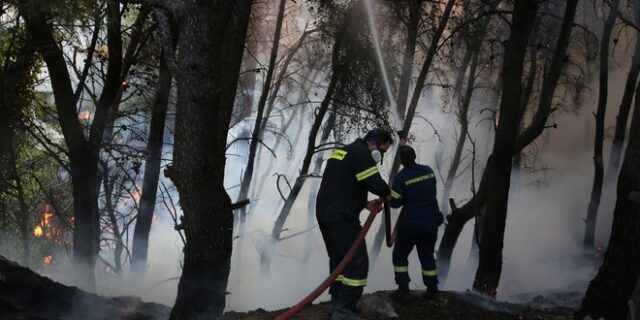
x=449 y=305
x=25 y=295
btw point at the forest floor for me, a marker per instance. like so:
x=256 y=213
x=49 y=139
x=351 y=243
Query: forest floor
x=449 y=305
x=25 y=295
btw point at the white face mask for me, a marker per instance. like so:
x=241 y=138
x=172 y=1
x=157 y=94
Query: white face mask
x=376 y=155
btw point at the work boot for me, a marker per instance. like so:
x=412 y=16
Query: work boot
x=431 y=293
x=344 y=309
x=332 y=305
x=402 y=294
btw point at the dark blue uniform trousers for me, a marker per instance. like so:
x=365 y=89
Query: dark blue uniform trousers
x=424 y=240
x=338 y=237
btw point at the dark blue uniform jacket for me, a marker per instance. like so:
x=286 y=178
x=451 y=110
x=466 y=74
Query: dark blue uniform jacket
x=414 y=188
x=350 y=174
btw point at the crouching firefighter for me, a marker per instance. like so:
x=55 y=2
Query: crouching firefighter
x=350 y=173
x=414 y=188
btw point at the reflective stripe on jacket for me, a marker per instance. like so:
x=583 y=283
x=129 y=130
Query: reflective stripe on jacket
x=349 y=175
x=414 y=188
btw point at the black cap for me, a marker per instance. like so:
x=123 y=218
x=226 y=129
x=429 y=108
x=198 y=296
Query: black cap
x=379 y=136
x=407 y=155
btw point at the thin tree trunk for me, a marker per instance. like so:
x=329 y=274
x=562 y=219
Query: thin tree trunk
x=463 y=115
x=625 y=107
x=309 y=79
x=272 y=99
x=596 y=191
x=315 y=184
x=258 y=128
x=311 y=144
x=490 y=262
x=456 y=222
x=609 y=292
x=422 y=77
x=407 y=58
x=142 y=229
x=281 y=76
x=211 y=41
x=508 y=141
x=408 y=118
x=107 y=185
x=250 y=68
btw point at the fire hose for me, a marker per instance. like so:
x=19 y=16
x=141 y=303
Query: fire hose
x=391 y=238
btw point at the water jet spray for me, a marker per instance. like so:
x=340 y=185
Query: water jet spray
x=383 y=70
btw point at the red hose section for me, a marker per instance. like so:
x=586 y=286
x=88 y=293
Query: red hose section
x=338 y=270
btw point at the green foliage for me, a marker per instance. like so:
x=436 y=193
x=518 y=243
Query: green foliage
x=360 y=99
x=65 y=11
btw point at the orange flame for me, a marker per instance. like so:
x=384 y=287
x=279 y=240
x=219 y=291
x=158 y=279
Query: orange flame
x=136 y=195
x=44 y=227
x=38 y=231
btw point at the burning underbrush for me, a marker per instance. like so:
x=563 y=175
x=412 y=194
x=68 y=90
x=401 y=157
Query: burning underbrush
x=27 y=295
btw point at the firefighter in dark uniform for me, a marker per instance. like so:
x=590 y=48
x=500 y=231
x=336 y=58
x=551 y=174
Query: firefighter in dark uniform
x=350 y=174
x=414 y=188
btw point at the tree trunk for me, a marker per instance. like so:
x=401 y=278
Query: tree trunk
x=508 y=141
x=250 y=68
x=256 y=135
x=490 y=262
x=610 y=290
x=596 y=191
x=625 y=107
x=459 y=216
x=456 y=221
x=407 y=58
x=211 y=40
x=140 y=244
x=108 y=181
x=83 y=151
x=86 y=228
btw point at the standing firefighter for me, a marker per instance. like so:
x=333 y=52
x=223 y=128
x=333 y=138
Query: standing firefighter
x=350 y=173
x=414 y=188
